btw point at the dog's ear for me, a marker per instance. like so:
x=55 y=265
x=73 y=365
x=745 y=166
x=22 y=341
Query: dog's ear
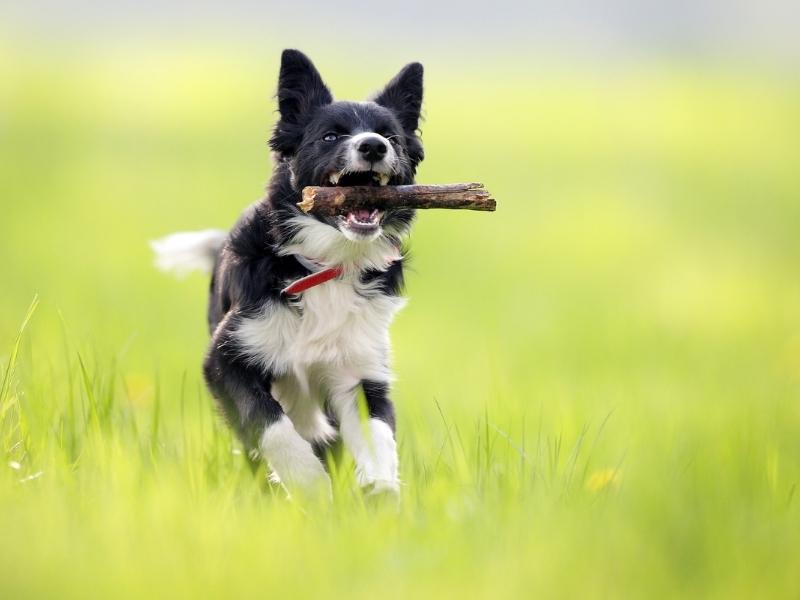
x=300 y=91
x=403 y=95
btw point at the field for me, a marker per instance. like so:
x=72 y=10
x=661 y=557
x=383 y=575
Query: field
x=598 y=385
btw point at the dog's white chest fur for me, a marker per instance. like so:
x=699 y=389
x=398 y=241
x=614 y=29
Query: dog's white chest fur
x=340 y=325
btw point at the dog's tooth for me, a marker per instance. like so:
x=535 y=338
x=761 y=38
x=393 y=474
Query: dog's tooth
x=384 y=178
x=334 y=178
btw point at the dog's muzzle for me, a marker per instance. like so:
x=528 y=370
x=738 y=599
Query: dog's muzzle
x=370 y=160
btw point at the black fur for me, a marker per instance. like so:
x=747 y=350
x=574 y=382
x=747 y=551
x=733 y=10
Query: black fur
x=250 y=271
x=376 y=394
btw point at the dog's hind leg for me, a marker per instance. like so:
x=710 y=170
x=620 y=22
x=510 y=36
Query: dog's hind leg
x=243 y=391
x=372 y=444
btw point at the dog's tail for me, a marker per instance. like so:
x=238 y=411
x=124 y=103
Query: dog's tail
x=186 y=251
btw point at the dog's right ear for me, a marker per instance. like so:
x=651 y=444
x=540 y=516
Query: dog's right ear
x=300 y=91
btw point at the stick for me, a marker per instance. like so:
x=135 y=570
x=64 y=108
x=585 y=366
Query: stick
x=328 y=201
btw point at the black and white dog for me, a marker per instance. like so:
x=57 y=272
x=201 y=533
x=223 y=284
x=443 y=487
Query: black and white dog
x=300 y=306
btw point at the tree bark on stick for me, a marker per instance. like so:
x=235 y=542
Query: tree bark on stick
x=328 y=201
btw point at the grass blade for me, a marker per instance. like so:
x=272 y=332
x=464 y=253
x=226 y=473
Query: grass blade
x=12 y=360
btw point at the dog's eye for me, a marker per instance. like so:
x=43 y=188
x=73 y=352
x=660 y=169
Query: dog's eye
x=330 y=137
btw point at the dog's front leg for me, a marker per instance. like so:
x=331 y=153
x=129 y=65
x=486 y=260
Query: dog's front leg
x=372 y=443
x=243 y=391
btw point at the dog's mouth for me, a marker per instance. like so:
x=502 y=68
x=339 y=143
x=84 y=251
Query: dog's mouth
x=362 y=223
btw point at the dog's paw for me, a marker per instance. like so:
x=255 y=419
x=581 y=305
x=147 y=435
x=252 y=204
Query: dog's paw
x=377 y=487
x=293 y=462
x=376 y=463
x=381 y=487
x=306 y=485
x=382 y=495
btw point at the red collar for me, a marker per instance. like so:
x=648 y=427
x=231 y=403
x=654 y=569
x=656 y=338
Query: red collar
x=317 y=277
x=312 y=280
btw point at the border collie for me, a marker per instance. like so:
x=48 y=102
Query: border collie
x=300 y=306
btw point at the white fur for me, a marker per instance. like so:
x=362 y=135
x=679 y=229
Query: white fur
x=325 y=343
x=338 y=339
x=329 y=247
x=307 y=417
x=331 y=326
x=187 y=251
x=356 y=162
x=374 y=451
x=371 y=443
x=292 y=459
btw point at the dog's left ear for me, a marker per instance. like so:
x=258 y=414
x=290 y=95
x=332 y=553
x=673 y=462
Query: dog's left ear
x=403 y=95
x=300 y=91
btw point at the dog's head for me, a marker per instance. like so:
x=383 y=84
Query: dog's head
x=329 y=143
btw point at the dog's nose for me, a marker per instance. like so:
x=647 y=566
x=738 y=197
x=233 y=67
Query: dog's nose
x=372 y=149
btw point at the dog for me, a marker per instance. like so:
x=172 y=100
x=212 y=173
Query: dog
x=300 y=306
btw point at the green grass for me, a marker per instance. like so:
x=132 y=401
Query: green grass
x=597 y=385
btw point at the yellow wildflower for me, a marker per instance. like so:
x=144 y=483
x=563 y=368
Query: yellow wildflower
x=601 y=479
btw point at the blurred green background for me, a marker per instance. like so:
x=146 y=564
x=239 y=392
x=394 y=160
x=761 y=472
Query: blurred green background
x=597 y=385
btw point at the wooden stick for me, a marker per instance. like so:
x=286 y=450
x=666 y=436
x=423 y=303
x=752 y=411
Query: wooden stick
x=328 y=201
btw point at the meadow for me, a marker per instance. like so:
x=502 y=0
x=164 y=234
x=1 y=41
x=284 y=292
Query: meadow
x=598 y=385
